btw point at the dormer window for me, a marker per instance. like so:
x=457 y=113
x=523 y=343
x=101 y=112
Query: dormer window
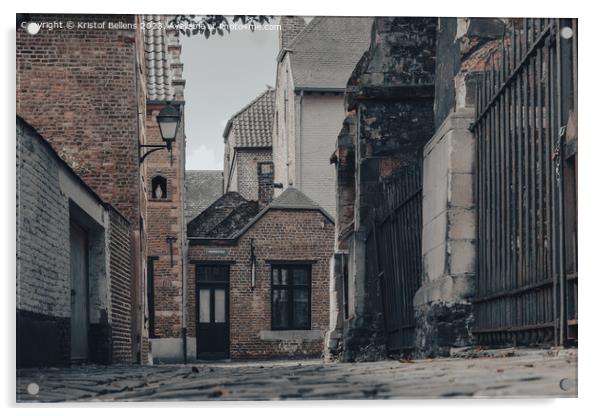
x=159 y=187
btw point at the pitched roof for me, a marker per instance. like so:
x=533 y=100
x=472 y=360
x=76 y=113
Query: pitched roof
x=292 y=198
x=231 y=216
x=325 y=53
x=223 y=218
x=201 y=189
x=252 y=125
x=159 y=62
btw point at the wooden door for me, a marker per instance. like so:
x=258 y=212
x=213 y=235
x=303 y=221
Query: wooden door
x=79 y=293
x=212 y=299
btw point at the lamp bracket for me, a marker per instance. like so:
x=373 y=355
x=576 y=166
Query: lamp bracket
x=153 y=147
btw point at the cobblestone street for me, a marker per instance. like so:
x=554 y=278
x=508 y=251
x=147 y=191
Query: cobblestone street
x=507 y=373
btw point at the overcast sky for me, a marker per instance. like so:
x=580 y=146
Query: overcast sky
x=222 y=75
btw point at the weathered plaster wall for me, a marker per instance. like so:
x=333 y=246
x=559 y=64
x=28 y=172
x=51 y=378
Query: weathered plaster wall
x=321 y=118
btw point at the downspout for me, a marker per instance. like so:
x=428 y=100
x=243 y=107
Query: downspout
x=184 y=249
x=298 y=163
x=140 y=295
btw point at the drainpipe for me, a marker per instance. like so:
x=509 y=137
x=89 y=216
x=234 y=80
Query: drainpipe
x=184 y=243
x=140 y=295
x=299 y=146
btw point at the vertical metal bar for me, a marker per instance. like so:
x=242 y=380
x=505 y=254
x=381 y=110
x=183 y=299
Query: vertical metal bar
x=496 y=194
x=495 y=197
x=520 y=171
x=514 y=194
x=540 y=183
x=502 y=191
x=527 y=142
x=562 y=114
x=488 y=145
x=532 y=171
x=400 y=239
x=554 y=212
x=479 y=208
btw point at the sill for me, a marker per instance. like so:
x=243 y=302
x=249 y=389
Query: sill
x=291 y=335
x=159 y=200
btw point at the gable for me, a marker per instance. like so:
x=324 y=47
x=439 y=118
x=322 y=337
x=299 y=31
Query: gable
x=325 y=53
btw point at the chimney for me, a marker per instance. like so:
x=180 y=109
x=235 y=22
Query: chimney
x=265 y=183
x=290 y=26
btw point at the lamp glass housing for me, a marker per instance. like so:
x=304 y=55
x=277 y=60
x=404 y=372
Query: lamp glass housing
x=168 y=120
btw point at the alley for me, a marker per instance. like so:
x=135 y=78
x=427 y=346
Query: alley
x=504 y=373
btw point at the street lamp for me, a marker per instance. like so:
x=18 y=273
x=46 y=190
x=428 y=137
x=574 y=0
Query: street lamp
x=168 y=120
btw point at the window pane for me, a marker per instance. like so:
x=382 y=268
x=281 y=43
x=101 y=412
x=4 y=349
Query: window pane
x=213 y=273
x=284 y=276
x=280 y=308
x=300 y=308
x=300 y=276
x=204 y=306
x=220 y=305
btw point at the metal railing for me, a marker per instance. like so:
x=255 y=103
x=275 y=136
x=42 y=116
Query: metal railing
x=393 y=253
x=524 y=294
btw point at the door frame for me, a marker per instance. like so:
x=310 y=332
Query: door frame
x=212 y=285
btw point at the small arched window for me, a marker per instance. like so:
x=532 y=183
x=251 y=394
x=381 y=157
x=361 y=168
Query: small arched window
x=159 y=187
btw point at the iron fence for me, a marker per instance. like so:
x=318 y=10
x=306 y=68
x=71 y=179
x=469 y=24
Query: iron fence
x=394 y=253
x=526 y=187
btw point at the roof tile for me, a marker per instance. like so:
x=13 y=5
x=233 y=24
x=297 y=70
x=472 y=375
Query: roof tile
x=252 y=125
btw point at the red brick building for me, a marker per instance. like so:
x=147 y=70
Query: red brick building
x=73 y=264
x=92 y=92
x=258 y=279
x=164 y=184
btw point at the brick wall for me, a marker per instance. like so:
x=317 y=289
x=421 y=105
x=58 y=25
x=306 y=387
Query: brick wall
x=246 y=171
x=165 y=219
x=78 y=89
x=120 y=275
x=290 y=27
x=265 y=183
x=279 y=235
x=84 y=90
x=49 y=196
x=42 y=230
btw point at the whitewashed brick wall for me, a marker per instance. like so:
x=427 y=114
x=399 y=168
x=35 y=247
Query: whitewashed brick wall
x=42 y=231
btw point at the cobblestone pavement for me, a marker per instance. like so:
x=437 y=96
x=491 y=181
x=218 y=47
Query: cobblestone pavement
x=508 y=373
